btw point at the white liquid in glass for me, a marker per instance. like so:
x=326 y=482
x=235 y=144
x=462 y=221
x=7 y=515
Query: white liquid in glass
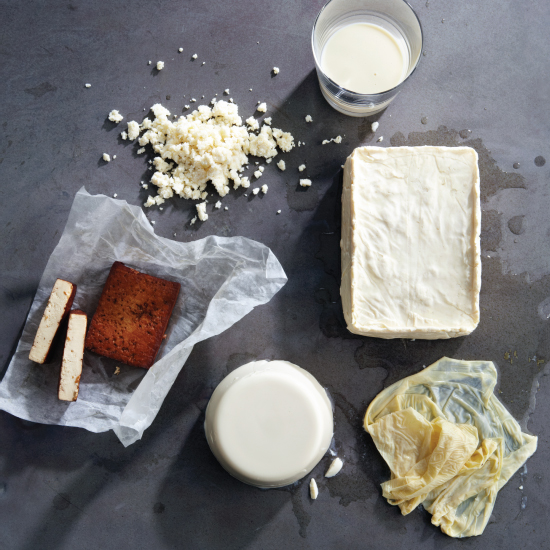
x=365 y=58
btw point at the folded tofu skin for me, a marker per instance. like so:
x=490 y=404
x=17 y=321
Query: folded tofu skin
x=449 y=442
x=411 y=265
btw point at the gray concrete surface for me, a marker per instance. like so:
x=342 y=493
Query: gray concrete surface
x=484 y=81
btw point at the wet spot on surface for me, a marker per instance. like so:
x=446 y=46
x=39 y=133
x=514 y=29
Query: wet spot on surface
x=464 y=134
x=301 y=198
x=424 y=120
x=159 y=508
x=41 y=89
x=516 y=165
x=61 y=501
x=515 y=225
x=540 y=161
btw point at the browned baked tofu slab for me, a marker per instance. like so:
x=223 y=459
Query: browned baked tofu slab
x=132 y=316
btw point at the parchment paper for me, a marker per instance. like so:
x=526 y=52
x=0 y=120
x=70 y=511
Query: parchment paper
x=222 y=279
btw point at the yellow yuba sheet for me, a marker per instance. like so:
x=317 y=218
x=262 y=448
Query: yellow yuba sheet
x=449 y=442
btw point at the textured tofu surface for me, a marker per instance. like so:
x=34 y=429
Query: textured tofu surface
x=73 y=354
x=58 y=306
x=132 y=316
x=411 y=264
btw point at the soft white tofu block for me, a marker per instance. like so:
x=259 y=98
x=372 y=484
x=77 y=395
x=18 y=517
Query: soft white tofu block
x=411 y=265
x=73 y=353
x=59 y=304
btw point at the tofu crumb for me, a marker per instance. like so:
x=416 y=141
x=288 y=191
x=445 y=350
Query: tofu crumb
x=264 y=188
x=268 y=161
x=253 y=123
x=313 y=489
x=192 y=222
x=123 y=135
x=337 y=139
x=88 y=85
x=115 y=195
x=374 y=126
x=281 y=165
x=150 y=201
x=262 y=108
x=278 y=211
x=201 y=211
x=149 y=62
x=302 y=167
x=106 y=157
x=114 y=156
x=305 y=183
x=160 y=65
x=187 y=106
x=180 y=50
x=192 y=100
x=267 y=120
x=133 y=130
x=203 y=63
x=115 y=116
x=145 y=186
x=381 y=138
x=258 y=174
x=256 y=190
x=226 y=91
x=308 y=118
x=334 y=468
x=194 y=56
x=218 y=204
x=153 y=222
x=261 y=168
x=140 y=151
x=249 y=89
x=226 y=208
x=275 y=70
x=117 y=371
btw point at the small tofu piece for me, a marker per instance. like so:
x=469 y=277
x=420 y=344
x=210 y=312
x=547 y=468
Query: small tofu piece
x=59 y=305
x=334 y=468
x=73 y=353
x=313 y=489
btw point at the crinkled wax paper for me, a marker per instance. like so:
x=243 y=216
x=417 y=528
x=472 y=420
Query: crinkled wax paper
x=222 y=279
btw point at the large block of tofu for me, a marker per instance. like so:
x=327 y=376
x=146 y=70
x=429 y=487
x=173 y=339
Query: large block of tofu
x=73 y=354
x=58 y=306
x=411 y=264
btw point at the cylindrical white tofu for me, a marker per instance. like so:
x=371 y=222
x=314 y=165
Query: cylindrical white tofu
x=269 y=423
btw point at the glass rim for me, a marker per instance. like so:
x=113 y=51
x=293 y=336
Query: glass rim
x=379 y=94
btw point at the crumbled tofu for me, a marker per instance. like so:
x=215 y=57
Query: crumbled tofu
x=192 y=222
x=226 y=91
x=160 y=65
x=268 y=161
x=106 y=157
x=149 y=62
x=218 y=204
x=210 y=144
x=374 y=126
x=117 y=369
x=308 y=118
x=150 y=201
x=133 y=130
x=262 y=107
x=88 y=85
x=313 y=489
x=281 y=165
x=115 y=116
x=194 y=56
x=264 y=188
x=302 y=167
x=381 y=138
x=192 y=100
x=278 y=211
x=203 y=63
x=337 y=139
x=253 y=123
x=187 y=106
x=230 y=100
x=140 y=151
x=226 y=208
x=114 y=156
x=201 y=211
x=275 y=70
x=145 y=186
x=123 y=135
x=305 y=183
x=256 y=190
x=153 y=222
x=334 y=468
x=180 y=50
x=267 y=120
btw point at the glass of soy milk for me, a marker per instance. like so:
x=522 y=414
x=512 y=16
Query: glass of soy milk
x=364 y=52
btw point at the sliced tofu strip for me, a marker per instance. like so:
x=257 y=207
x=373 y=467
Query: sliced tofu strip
x=59 y=305
x=71 y=366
